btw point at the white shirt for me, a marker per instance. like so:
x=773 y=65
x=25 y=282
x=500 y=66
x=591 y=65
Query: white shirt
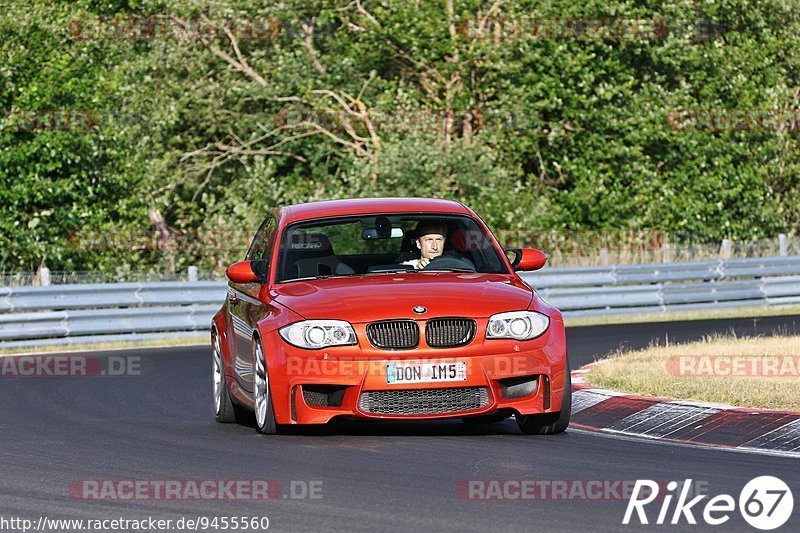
x=413 y=262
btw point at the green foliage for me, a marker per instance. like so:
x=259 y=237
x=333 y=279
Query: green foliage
x=578 y=134
x=59 y=176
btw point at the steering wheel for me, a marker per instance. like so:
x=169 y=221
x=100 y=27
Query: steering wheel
x=445 y=262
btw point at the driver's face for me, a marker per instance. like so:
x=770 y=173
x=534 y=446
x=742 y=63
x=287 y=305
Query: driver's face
x=431 y=245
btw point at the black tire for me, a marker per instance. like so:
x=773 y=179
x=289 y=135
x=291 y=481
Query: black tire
x=493 y=418
x=550 y=423
x=225 y=410
x=262 y=394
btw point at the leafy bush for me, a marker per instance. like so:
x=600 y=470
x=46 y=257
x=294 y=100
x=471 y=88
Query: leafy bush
x=542 y=133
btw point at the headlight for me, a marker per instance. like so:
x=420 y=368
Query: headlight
x=315 y=334
x=519 y=325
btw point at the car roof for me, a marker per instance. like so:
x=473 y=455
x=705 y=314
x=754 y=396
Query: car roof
x=367 y=206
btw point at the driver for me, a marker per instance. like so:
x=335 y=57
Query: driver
x=430 y=242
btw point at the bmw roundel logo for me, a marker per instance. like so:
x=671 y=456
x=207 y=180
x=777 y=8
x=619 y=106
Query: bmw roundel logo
x=419 y=310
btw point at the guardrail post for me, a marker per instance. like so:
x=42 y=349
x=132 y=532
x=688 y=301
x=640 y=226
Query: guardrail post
x=666 y=253
x=727 y=249
x=783 y=244
x=604 y=256
x=44 y=277
x=192 y=273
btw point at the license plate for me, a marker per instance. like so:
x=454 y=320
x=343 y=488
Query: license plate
x=426 y=372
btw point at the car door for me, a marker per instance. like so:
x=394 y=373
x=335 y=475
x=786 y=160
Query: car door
x=245 y=309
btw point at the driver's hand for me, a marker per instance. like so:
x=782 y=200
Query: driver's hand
x=423 y=262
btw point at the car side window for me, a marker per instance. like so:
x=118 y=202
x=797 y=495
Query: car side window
x=261 y=246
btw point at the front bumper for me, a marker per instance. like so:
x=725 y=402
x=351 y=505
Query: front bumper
x=497 y=371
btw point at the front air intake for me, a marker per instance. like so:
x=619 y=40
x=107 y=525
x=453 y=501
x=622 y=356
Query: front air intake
x=423 y=401
x=449 y=332
x=394 y=334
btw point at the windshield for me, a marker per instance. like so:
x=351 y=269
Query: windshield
x=386 y=243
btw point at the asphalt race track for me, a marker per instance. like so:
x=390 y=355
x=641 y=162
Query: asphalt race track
x=57 y=431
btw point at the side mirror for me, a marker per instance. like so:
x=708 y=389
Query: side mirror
x=248 y=271
x=527 y=258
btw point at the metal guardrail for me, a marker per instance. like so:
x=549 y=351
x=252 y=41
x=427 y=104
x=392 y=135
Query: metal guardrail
x=587 y=291
x=97 y=312
x=656 y=272
x=106 y=321
x=101 y=295
x=70 y=313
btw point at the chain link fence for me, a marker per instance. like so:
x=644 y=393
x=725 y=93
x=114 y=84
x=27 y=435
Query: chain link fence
x=635 y=248
x=564 y=249
x=59 y=277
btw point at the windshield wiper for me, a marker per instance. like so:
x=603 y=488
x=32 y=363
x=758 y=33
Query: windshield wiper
x=391 y=271
x=324 y=276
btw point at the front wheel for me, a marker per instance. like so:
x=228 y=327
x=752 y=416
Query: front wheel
x=262 y=397
x=550 y=423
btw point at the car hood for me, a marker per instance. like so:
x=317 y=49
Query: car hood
x=382 y=296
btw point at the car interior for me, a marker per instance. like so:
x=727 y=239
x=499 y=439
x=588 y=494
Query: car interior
x=312 y=254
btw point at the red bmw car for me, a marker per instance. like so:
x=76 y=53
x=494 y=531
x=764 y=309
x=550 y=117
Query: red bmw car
x=392 y=308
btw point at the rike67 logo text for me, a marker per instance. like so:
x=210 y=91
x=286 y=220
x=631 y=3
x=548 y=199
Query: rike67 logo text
x=765 y=503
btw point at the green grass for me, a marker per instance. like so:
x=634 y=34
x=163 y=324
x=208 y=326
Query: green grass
x=705 y=371
x=674 y=316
